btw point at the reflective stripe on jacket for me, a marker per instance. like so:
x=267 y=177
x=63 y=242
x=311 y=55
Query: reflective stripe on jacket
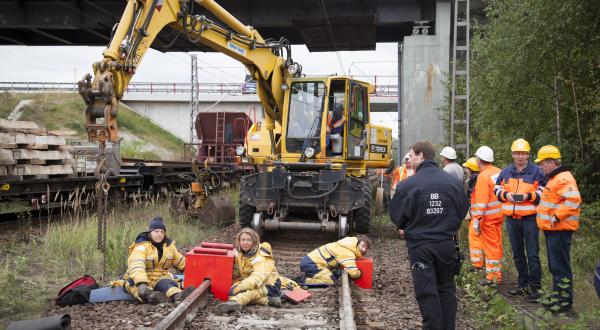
x=560 y=199
x=528 y=182
x=342 y=253
x=485 y=204
x=143 y=265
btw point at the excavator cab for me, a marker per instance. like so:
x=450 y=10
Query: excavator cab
x=325 y=146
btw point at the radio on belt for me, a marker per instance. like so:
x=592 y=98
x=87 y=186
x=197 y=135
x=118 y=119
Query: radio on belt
x=213 y=261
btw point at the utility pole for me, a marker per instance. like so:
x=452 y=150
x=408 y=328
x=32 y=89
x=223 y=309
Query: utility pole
x=400 y=45
x=194 y=103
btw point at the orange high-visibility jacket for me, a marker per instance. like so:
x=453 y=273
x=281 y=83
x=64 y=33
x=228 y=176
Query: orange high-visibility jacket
x=560 y=199
x=485 y=204
x=400 y=173
x=529 y=182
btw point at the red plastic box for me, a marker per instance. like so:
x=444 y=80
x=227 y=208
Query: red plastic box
x=365 y=265
x=212 y=261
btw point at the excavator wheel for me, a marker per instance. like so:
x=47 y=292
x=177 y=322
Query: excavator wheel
x=362 y=216
x=246 y=213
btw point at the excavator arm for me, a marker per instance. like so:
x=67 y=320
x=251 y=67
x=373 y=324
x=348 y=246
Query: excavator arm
x=269 y=62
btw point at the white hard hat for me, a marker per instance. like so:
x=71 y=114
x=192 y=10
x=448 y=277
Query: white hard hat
x=448 y=153
x=485 y=153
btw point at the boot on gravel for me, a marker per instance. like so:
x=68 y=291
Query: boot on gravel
x=519 y=291
x=180 y=296
x=228 y=307
x=155 y=297
x=299 y=279
x=275 y=302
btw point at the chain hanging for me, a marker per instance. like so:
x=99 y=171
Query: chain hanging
x=102 y=188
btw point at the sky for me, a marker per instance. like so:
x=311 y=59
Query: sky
x=70 y=63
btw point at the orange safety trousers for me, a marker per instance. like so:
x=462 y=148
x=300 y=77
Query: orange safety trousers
x=491 y=239
x=475 y=247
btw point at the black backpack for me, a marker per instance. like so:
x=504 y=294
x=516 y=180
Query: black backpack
x=77 y=292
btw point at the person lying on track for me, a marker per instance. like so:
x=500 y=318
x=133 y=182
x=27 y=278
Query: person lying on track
x=255 y=277
x=324 y=264
x=148 y=277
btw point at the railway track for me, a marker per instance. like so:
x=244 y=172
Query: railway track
x=389 y=305
x=328 y=308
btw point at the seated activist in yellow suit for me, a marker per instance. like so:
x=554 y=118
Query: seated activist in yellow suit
x=151 y=256
x=256 y=280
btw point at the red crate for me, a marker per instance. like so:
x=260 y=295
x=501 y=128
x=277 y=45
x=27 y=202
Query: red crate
x=210 y=261
x=365 y=265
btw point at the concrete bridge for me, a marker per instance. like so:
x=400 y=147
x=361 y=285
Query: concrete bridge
x=172 y=111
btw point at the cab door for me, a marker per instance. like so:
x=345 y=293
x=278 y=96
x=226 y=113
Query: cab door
x=357 y=120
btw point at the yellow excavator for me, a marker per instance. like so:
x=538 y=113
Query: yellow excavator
x=313 y=145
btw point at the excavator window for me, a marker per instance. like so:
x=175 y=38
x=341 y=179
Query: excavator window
x=304 y=115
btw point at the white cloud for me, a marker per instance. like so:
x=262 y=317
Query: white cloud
x=69 y=63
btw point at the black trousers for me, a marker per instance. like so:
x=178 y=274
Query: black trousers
x=431 y=267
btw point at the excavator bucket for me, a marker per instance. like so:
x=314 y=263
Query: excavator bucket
x=218 y=211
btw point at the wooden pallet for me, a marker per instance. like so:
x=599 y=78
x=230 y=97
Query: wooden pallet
x=28 y=127
x=6 y=157
x=28 y=151
x=43 y=170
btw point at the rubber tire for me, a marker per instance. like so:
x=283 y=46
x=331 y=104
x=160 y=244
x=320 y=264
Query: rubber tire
x=362 y=216
x=246 y=212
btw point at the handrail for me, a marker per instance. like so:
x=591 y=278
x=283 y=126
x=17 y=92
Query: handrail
x=157 y=88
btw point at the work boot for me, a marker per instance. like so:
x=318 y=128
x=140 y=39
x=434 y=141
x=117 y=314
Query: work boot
x=474 y=269
x=534 y=295
x=487 y=283
x=180 y=296
x=299 y=279
x=275 y=302
x=228 y=307
x=520 y=291
x=155 y=297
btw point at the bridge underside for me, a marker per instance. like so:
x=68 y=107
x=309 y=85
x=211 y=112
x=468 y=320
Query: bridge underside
x=323 y=25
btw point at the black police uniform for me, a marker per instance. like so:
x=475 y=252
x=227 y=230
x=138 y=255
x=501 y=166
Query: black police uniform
x=429 y=206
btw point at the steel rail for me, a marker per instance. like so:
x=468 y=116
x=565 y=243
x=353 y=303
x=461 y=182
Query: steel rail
x=187 y=309
x=346 y=311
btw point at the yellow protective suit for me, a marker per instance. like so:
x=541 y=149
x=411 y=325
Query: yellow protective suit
x=256 y=278
x=143 y=266
x=317 y=265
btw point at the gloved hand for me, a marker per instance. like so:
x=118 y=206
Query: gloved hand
x=554 y=221
x=143 y=289
x=234 y=290
x=476 y=226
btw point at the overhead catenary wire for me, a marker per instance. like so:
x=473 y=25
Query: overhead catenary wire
x=330 y=30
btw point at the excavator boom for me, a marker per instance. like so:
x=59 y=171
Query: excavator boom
x=268 y=61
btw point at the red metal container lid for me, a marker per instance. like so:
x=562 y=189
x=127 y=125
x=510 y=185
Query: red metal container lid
x=216 y=245
x=201 y=250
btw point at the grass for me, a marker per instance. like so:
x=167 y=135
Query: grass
x=584 y=254
x=34 y=268
x=64 y=111
x=135 y=149
x=8 y=101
